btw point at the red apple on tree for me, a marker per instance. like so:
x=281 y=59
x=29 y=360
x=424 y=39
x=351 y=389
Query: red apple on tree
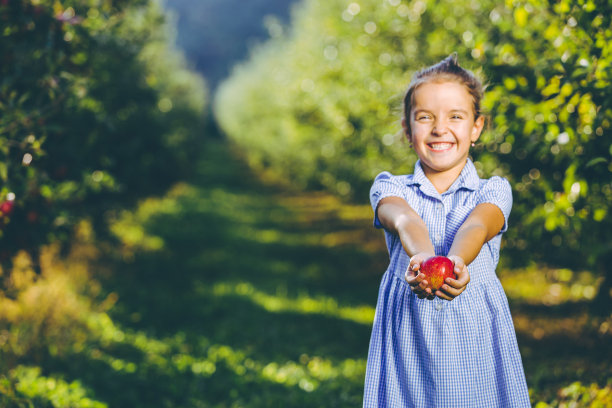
x=7 y=207
x=436 y=269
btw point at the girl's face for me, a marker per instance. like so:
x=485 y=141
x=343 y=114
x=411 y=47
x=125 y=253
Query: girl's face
x=443 y=126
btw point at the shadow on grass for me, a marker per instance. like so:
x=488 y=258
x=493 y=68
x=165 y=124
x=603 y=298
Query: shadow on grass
x=561 y=344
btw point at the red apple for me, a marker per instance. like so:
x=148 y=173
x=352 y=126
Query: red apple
x=7 y=207
x=436 y=269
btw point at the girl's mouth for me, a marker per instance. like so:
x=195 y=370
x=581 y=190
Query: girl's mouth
x=440 y=146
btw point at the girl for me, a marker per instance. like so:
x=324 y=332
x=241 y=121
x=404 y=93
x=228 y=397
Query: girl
x=455 y=347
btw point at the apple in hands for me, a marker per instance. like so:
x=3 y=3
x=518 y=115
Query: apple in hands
x=436 y=269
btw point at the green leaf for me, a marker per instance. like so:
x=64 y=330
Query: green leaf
x=3 y=172
x=596 y=161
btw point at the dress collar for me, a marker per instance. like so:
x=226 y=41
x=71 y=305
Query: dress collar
x=468 y=179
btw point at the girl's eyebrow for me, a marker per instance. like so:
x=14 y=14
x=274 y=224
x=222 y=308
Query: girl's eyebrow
x=451 y=111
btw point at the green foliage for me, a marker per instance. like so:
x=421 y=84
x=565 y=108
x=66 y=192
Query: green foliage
x=45 y=317
x=25 y=387
x=579 y=395
x=322 y=102
x=320 y=106
x=551 y=112
x=95 y=109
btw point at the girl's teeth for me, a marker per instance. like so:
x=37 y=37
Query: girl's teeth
x=440 y=146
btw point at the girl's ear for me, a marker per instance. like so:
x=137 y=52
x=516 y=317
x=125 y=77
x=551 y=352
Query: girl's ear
x=477 y=129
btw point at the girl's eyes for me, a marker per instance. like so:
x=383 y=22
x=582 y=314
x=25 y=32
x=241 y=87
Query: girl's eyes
x=428 y=117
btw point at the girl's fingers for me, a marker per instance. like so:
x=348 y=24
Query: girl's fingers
x=448 y=292
x=423 y=293
x=418 y=291
x=418 y=285
x=454 y=287
x=412 y=277
x=416 y=261
x=443 y=295
x=456 y=283
x=413 y=267
x=459 y=265
x=463 y=278
x=418 y=282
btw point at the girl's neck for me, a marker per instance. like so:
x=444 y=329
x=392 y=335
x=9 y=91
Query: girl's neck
x=442 y=180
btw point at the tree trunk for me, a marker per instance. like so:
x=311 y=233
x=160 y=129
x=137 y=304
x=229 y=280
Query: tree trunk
x=602 y=304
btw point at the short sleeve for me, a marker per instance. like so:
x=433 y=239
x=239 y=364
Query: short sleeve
x=385 y=185
x=497 y=191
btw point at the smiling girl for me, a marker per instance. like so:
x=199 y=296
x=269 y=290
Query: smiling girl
x=455 y=347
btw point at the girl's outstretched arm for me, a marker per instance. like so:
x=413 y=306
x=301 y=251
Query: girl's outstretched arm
x=396 y=215
x=484 y=222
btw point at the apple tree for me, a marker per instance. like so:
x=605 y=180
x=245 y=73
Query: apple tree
x=551 y=111
x=96 y=110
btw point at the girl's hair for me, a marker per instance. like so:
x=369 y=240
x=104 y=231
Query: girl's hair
x=446 y=70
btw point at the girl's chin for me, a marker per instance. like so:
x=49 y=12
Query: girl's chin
x=440 y=166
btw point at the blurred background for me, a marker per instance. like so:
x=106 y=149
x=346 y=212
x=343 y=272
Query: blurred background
x=184 y=217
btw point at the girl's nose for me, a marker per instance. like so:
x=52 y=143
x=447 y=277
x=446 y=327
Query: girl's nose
x=439 y=129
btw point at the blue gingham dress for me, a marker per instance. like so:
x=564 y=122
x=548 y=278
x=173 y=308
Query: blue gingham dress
x=438 y=353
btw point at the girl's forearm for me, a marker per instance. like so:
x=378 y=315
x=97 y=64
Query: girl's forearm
x=398 y=217
x=485 y=221
x=468 y=242
x=415 y=237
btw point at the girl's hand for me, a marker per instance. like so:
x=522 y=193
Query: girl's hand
x=416 y=280
x=454 y=287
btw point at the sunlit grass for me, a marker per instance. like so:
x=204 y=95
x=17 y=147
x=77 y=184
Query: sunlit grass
x=549 y=286
x=578 y=394
x=309 y=372
x=303 y=303
x=129 y=226
x=168 y=354
x=31 y=384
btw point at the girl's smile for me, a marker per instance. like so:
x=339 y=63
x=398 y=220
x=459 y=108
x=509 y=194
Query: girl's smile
x=440 y=147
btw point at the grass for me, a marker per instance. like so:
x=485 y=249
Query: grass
x=231 y=292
